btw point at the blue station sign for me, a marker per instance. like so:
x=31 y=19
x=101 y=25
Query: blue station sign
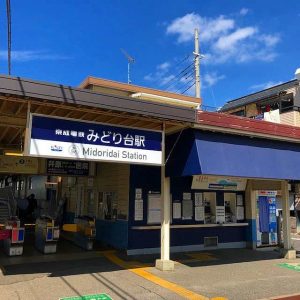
x=73 y=139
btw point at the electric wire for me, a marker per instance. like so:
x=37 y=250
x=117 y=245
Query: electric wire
x=183 y=60
x=167 y=75
x=181 y=74
x=176 y=66
x=185 y=84
x=189 y=87
x=182 y=80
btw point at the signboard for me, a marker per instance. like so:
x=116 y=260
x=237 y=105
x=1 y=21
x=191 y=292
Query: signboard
x=220 y=214
x=267 y=193
x=154 y=209
x=66 y=138
x=138 y=210
x=88 y=297
x=67 y=167
x=18 y=165
x=205 y=182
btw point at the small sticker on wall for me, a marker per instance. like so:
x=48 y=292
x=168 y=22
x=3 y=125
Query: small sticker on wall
x=138 y=210
x=198 y=199
x=138 y=193
x=187 y=196
x=239 y=200
x=176 y=210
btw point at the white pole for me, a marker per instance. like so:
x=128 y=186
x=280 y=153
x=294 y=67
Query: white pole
x=197 y=65
x=128 y=80
x=286 y=215
x=164 y=263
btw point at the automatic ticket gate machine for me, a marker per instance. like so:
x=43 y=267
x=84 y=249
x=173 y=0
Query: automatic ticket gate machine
x=82 y=233
x=46 y=235
x=12 y=235
x=11 y=232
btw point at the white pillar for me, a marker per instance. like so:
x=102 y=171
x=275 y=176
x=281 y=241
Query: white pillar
x=164 y=263
x=286 y=226
x=165 y=222
x=250 y=202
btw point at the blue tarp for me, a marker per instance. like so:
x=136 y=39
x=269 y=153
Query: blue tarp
x=203 y=152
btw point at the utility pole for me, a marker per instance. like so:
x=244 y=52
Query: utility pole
x=8 y=15
x=197 y=65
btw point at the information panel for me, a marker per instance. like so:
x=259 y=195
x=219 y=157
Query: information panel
x=208 y=182
x=66 y=138
x=67 y=167
x=18 y=165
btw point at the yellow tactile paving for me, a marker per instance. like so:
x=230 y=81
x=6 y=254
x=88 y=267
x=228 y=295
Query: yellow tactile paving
x=142 y=271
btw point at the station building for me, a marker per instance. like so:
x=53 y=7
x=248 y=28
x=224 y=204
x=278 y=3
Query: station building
x=157 y=173
x=278 y=104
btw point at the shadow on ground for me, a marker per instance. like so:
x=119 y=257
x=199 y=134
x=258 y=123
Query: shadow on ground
x=212 y=257
x=72 y=260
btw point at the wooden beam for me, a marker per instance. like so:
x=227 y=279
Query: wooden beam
x=15 y=136
x=69 y=114
x=11 y=121
x=80 y=108
x=19 y=108
x=4 y=132
x=3 y=104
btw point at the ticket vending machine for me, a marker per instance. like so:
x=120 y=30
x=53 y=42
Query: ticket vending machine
x=266 y=218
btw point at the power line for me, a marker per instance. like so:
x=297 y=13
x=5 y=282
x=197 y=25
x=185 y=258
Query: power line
x=182 y=73
x=8 y=15
x=184 y=59
x=185 y=84
x=188 y=88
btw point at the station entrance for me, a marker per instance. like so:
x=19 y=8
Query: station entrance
x=92 y=167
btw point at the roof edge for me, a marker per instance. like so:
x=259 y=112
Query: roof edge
x=91 y=80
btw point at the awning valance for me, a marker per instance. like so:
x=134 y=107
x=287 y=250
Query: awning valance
x=203 y=152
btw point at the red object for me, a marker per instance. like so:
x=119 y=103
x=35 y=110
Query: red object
x=4 y=234
x=246 y=125
x=15 y=235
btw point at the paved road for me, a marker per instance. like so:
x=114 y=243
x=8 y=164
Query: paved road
x=232 y=274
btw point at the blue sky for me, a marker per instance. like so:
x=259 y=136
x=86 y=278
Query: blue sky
x=247 y=45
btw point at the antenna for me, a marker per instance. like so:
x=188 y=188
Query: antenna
x=130 y=61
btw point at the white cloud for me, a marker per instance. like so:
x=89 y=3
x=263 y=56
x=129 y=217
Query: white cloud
x=149 y=77
x=265 y=85
x=224 y=40
x=160 y=75
x=230 y=41
x=164 y=66
x=29 y=55
x=166 y=79
x=269 y=40
x=211 y=79
x=244 y=11
x=208 y=28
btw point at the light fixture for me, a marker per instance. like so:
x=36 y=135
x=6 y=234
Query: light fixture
x=163 y=99
x=13 y=153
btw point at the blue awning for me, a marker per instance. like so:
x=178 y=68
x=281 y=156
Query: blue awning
x=202 y=152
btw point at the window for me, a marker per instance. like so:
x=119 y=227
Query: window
x=240 y=113
x=283 y=102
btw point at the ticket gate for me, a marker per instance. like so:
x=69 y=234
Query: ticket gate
x=82 y=232
x=12 y=235
x=46 y=235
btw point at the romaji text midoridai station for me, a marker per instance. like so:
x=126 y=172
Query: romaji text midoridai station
x=157 y=173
